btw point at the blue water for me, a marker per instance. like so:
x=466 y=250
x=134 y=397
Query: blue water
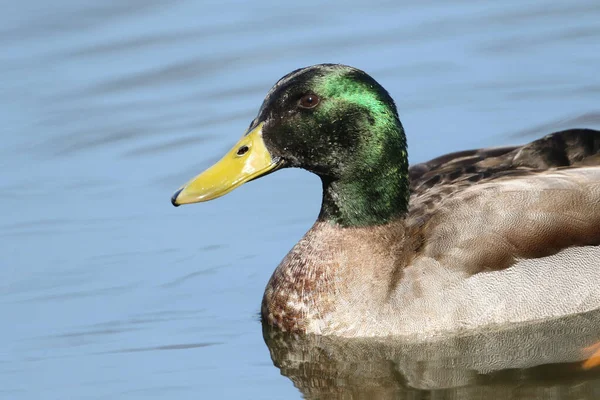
x=106 y=290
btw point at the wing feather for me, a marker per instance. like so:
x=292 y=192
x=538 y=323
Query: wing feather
x=484 y=210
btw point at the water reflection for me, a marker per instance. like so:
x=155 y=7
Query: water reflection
x=540 y=360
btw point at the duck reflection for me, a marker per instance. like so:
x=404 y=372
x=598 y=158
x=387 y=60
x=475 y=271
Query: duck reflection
x=545 y=360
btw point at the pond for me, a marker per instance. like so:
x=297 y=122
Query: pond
x=107 y=291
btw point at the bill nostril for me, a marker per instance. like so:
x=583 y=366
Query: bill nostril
x=242 y=150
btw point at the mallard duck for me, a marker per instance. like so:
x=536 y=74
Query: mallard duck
x=467 y=240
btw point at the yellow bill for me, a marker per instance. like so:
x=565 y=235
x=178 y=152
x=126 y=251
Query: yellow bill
x=248 y=159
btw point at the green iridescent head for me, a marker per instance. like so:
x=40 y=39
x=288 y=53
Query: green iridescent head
x=335 y=121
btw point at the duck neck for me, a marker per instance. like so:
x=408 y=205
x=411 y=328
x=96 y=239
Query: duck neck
x=373 y=191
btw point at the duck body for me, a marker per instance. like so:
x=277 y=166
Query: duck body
x=467 y=240
x=511 y=247
x=491 y=237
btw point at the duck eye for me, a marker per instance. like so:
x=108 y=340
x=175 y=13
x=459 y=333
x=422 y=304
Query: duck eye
x=309 y=101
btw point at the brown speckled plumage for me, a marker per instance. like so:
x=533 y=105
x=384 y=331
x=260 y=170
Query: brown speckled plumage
x=332 y=271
